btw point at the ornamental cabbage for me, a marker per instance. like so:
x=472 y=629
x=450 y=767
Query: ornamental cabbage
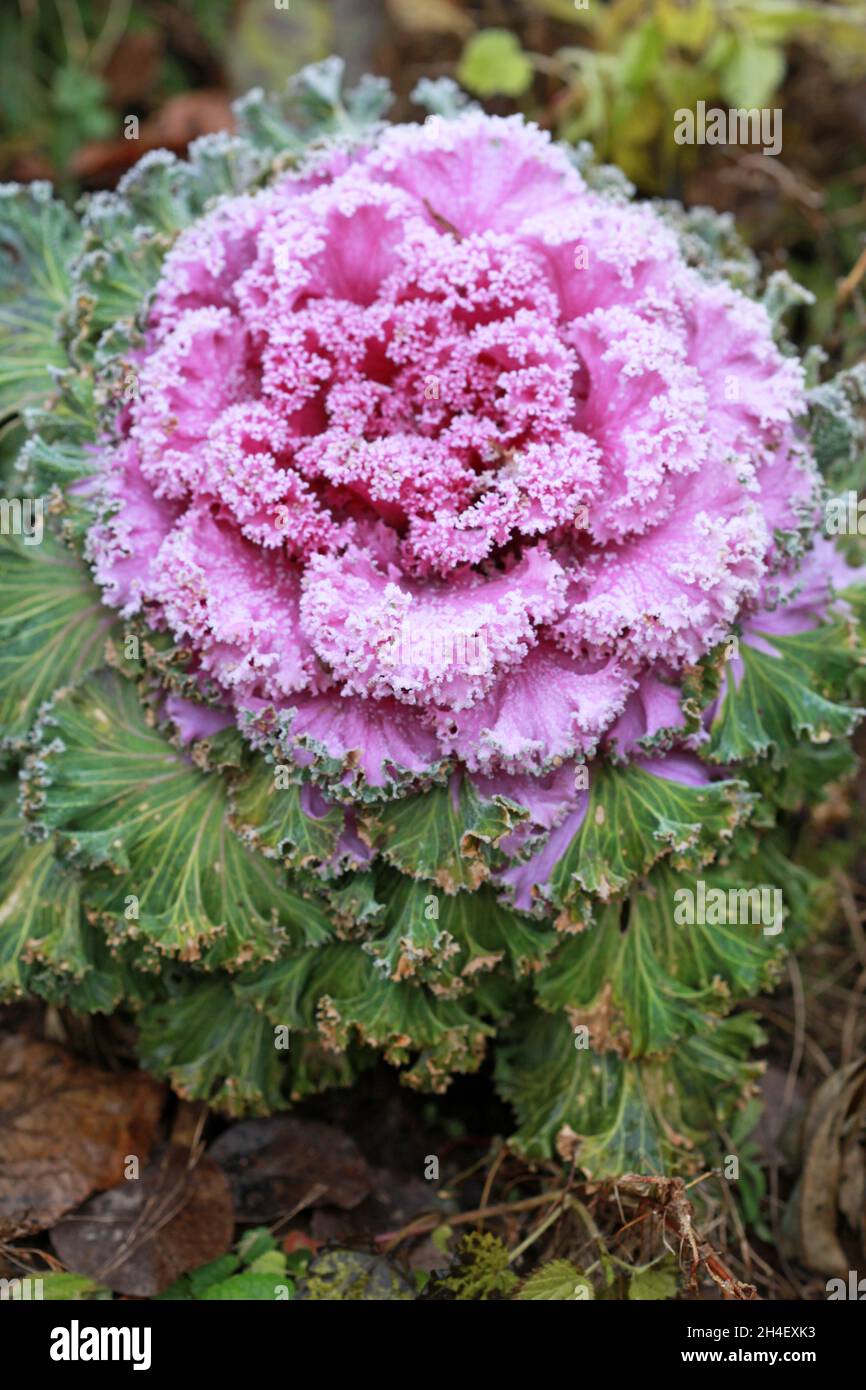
x=432 y=601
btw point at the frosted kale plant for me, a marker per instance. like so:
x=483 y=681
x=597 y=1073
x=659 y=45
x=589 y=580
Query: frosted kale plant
x=431 y=601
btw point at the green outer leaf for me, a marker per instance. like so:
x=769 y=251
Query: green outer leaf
x=441 y=96
x=212 y=1048
x=353 y=903
x=271 y=819
x=447 y=941
x=803 y=781
x=47 y=945
x=117 y=794
x=613 y=983
x=60 y=451
x=647 y=1117
x=837 y=424
x=53 y=628
x=37 y=901
x=38 y=238
x=314 y=106
x=338 y=990
x=208 y=1041
x=126 y=235
x=12 y=436
x=113 y=282
x=639 y=989
x=281 y=990
x=781 y=699
x=633 y=818
x=442 y=834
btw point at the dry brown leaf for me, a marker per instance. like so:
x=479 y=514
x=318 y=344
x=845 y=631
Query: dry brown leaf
x=833 y=1178
x=133 y=68
x=395 y=1200
x=143 y=1234
x=188 y=115
x=280 y=1164
x=668 y=1197
x=183 y=118
x=852 y=1186
x=780 y=1103
x=567 y=1143
x=65 y=1130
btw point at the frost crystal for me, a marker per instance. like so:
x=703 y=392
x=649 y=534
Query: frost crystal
x=441 y=386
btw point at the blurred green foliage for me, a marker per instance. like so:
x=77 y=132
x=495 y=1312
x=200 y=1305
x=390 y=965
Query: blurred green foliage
x=54 y=97
x=632 y=64
x=613 y=72
x=493 y=64
x=641 y=60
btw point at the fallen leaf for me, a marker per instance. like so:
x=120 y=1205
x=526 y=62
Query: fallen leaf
x=188 y=115
x=278 y=1165
x=104 y=161
x=25 y=168
x=829 y=1193
x=182 y=119
x=144 y=1234
x=133 y=68
x=395 y=1199
x=780 y=1107
x=66 y=1129
x=852 y=1185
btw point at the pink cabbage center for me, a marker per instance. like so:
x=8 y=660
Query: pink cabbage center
x=442 y=455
